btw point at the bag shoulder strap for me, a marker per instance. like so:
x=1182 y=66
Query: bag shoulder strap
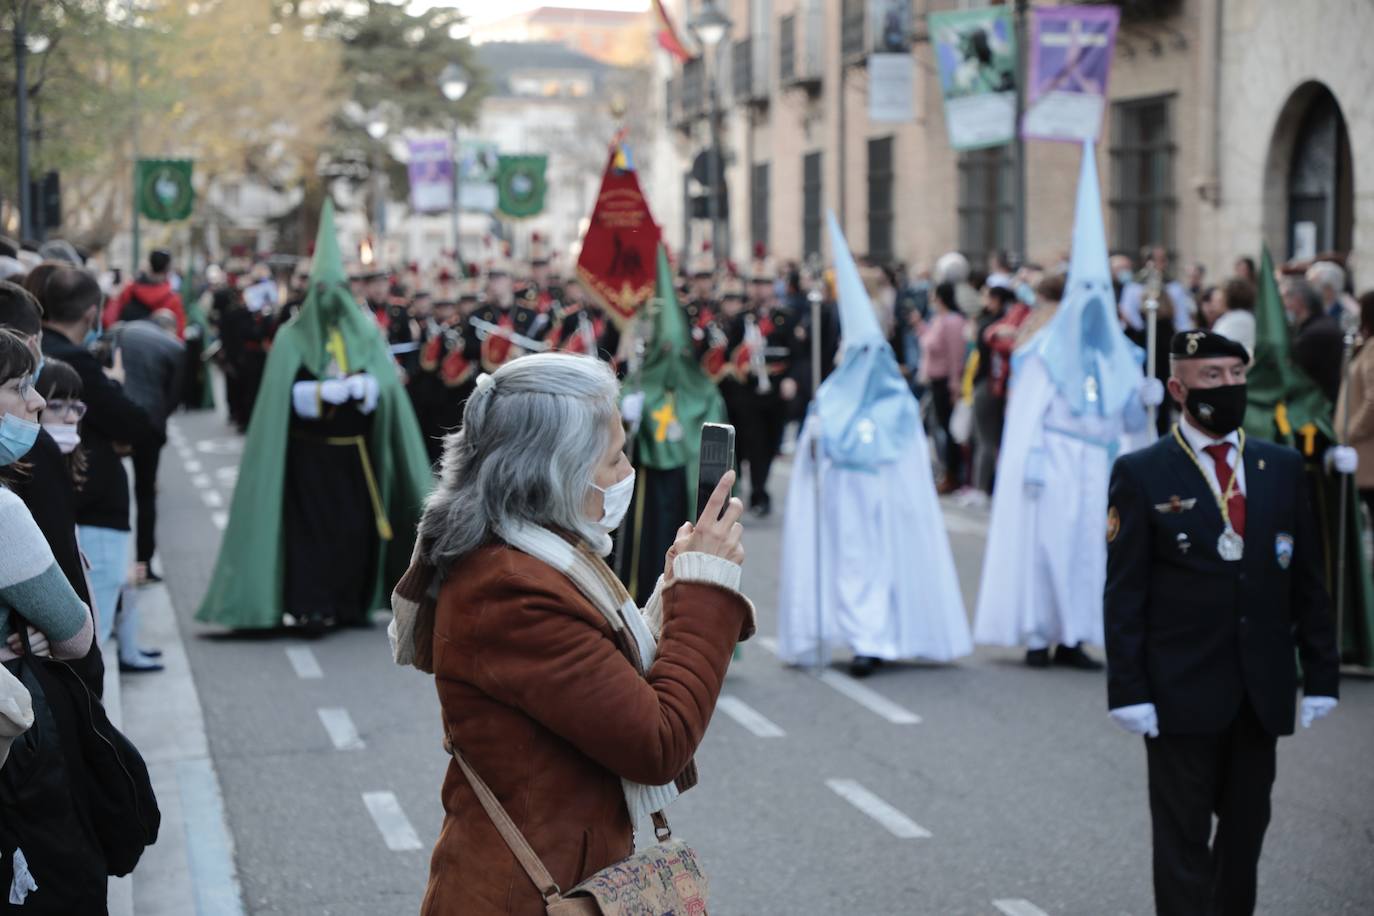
x=519 y=846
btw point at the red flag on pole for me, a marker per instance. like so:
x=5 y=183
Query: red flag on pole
x=618 y=261
x=668 y=38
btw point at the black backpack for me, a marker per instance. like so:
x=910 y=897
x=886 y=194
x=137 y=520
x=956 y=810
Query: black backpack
x=100 y=766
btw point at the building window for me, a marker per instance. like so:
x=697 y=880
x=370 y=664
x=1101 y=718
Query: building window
x=787 y=48
x=880 y=187
x=811 y=205
x=1142 y=198
x=986 y=202
x=852 y=29
x=758 y=205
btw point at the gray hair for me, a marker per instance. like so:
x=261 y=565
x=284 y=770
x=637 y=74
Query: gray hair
x=952 y=267
x=531 y=438
x=1327 y=274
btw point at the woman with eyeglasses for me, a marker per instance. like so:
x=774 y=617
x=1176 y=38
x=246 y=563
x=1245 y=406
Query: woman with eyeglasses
x=42 y=615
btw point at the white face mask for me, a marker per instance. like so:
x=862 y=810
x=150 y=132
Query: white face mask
x=615 y=502
x=65 y=435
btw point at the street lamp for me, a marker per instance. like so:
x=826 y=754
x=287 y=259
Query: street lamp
x=377 y=128
x=453 y=83
x=711 y=26
x=24 y=45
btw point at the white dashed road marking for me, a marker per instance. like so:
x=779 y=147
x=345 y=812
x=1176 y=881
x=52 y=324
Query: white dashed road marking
x=749 y=717
x=200 y=481
x=897 y=823
x=192 y=466
x=1019 y=908
x=386 y=813
x=872 y=701
x=303 y=660
x=341 y=729
x=219 y=519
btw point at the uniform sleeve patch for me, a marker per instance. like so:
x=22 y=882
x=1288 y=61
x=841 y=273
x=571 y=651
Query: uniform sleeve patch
x=1113 y=524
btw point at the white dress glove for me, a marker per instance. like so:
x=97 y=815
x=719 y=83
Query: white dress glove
x=1033 y=477
x=363 y=387
x=334 y=391
x=1151 y=392
x=1138 y=719
x=1342 y=459
x=632 y=407
x=1314 y=708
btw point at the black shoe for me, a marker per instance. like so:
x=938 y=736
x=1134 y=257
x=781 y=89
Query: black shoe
x=1075 y=657
x=140 y=667
x=1038 y=658
x=151 y=576
x=150 y=653
x=864 y=665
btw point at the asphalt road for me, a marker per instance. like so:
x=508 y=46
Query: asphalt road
x=981 y=787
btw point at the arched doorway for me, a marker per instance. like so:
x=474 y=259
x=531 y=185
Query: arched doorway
x=1309 y=200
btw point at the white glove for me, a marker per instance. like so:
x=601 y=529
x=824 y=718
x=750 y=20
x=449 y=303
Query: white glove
x=305 y=400
x=1343 y=459
x=1151 y=392
x=1314 y=708
x=1137 y=719
x=632 y=407
x=363 y=387
x=1033 y=477
x=334 y=391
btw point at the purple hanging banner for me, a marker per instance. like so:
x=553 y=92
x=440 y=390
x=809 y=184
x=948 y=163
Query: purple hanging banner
x=431 y=175
x=1070 y=61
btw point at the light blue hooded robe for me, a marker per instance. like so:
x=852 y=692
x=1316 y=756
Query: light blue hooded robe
x=887 y=572
x=1075 y=394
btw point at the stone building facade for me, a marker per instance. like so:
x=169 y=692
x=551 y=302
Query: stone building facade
x=1230 y=124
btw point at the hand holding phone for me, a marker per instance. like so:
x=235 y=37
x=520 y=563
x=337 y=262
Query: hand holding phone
x=715 y=456
x=717 y=531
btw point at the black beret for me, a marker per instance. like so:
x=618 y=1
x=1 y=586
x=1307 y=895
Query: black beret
x=1206 y=345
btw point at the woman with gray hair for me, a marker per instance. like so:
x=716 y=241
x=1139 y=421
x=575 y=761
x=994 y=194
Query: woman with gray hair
x=580 y=711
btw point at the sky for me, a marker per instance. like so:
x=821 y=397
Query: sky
x=480 y=11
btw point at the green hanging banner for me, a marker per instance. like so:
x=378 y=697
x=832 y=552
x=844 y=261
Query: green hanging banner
x=162 y=189
x=520 y=186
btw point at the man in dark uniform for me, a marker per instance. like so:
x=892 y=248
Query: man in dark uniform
x=446 y=376
x=1213 y=580
x=503 y=328
x=770 y=340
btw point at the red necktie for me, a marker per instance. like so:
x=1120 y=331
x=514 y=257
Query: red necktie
x=1235 y=507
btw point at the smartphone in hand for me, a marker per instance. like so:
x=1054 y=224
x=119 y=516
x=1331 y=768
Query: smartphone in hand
x=717 y=456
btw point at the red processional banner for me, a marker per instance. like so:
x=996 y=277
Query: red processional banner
x=618 y=263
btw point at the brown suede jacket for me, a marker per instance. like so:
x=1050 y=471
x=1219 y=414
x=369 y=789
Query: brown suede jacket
x=552 y=714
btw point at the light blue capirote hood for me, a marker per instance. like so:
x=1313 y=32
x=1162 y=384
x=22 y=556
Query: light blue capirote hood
x=1092 y=363
x=866 y=410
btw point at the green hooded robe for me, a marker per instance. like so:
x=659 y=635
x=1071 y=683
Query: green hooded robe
x=678 y=399
x=246 y=590
x=1285 y=405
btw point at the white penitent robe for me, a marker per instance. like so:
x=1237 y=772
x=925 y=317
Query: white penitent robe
x=1046 y=560
x=887 y=571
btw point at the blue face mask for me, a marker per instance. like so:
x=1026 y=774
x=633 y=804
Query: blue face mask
x=38 y=370
x=16 y=438
x=92 y=337
x=1124 y=276
x=1025 y=293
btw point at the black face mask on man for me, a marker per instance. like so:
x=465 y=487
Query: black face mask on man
x=1220 y=410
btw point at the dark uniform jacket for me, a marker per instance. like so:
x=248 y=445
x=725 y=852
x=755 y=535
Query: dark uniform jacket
x=1193 y=633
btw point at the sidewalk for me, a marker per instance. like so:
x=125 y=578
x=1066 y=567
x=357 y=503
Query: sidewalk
x=190 y=870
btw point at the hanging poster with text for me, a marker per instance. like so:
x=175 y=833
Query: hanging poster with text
x=431 y=175
x=975 y=52
x=479 y=163
x=889 y=23
x=891 y=87
x=1070 y=61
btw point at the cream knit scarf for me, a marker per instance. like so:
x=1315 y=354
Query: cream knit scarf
x=599 y=585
